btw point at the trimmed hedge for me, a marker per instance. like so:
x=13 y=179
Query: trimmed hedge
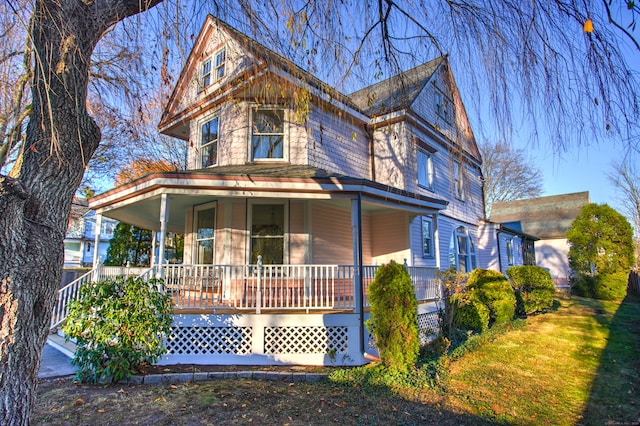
x=533 y=286
x=492 y=289
x=394 y=317
x=604 y=286
x=469 y=313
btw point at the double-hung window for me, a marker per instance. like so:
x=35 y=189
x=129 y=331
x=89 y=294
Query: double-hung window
x=209 y=142
x=425 y=169
x=510 y=254
x=427 y=237
x=442 y=106
x=267 y=133
x=462 y=251
x=458 y=180
x=205 y=234
x=213 y=68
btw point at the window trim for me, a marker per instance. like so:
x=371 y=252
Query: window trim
x=430 y=172
x=470 y=256
x=285 y=235
x=285 y=133
x=196 y=211
x=201 y=124
x=442 y=105
x=430 y=254
x=212 y=74
x=458 y=180
x=509 y=247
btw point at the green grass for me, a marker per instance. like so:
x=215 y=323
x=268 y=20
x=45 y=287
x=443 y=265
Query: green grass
x=577 y=365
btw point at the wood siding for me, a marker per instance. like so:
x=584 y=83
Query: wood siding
x=390 y=238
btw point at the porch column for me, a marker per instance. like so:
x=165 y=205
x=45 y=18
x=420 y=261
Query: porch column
x=356 y=226
x=153 y=257
x=96 y=241
x=164 y=218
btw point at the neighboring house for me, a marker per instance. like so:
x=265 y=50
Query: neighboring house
x=549 y=219
x=294 y=194
x=80 y=240
x=505 y=246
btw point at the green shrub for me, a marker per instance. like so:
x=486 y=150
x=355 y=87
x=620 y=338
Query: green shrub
x=119 y=324
x=583 y=285
x=533 y=286
x=469 y=313
x=493 y=290
x=611 y=286
x=394 y=317
x=453 y=282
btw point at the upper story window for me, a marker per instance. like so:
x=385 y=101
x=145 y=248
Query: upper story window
x=209 y=142
x=443 y=106
x=427 y=237
x=458 y=180
x=267 y=134
x=425 y=169
x=213 y=68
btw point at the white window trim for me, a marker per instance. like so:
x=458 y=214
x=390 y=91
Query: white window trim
x=285 y=136
x=458 y=180
x=213 y=70
x=196 y=210
x=431 y=253
x=285 y=244
x=423 y=153
x=443 y=105
x=510 y=251
x=198 y=144
x=471 y=248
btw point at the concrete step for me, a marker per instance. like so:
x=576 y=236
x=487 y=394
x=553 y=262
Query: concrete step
x=58 y=342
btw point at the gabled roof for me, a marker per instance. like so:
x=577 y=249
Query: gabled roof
x=397 y=92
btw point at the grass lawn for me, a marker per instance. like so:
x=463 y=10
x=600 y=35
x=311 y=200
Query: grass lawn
x=576 y=365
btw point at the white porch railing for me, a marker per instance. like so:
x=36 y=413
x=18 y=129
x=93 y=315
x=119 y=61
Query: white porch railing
x=249 y=287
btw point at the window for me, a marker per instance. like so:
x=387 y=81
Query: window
x=510 y=252
x=528 y=252
x=267 y=233
x=462 y=251
x=427 y=237
x=267 y=134
x=425 y=169
x=209 y=143
x=213 y=68
x=205 y=233
x=442 y=106
x=458 y=180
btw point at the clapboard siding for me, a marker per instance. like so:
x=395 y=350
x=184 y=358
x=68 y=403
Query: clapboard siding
x=390 y=239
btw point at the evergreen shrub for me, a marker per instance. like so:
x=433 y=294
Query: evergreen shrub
x=394 y=317
x=119 y=324
x=492 y=289
x=611 y=286
x=533 y=287
x=469 y=313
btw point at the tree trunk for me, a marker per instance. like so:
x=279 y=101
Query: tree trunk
x=36 y=199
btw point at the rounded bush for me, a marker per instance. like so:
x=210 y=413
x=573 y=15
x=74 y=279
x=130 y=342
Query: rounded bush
x=533 y=287
x=583 y=285
x=119 y=324
x=493 y=289
x=469 y=313
x=394 y=317
x=611 y=286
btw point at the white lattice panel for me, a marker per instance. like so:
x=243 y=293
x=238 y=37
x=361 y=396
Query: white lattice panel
x=209 y=341
x=428 y=326
x=296 y=340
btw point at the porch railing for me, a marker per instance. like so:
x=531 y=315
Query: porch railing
x=254 y=288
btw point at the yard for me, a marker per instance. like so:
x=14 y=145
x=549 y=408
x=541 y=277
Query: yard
x=576 y=365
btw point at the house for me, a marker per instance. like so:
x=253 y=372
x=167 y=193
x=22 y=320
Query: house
x=548 y=219
x=294 y=195
x=504 y=246
x=80 y=239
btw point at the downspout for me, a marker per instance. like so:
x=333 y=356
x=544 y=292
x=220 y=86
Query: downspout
x=372 y=156
x=498 y=232
x=360 y=271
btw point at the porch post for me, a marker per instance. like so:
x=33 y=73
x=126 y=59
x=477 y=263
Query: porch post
x=164 y=217
x=153 y=258
x=356 y=226
x=96 y=241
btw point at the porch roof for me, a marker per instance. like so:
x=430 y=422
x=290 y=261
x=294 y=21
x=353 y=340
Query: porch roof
x=138 y=202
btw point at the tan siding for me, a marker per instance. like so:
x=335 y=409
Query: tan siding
x=239 y=233
x=188 y=237
x=331 y=234
x=390 y=239
x=297 y=236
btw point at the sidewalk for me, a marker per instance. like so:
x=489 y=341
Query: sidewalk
x=55 y=364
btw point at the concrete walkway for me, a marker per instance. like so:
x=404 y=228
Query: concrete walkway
x=55 y=364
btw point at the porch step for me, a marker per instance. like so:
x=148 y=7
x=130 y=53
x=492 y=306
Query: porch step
x=58 y=342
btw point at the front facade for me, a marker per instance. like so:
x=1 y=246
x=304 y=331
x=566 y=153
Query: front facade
x=294 y=194
x=80 y=240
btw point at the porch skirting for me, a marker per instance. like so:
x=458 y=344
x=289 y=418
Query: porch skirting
x=276 y=339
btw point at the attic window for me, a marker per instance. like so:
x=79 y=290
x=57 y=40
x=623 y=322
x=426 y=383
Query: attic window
x=442 y=106
x=213 y=68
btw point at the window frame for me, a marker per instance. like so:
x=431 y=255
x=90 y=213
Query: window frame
x=285 y=131
x=455 y=254
x=442 y=105
x=510 y=251
x=458 y=179
x=216 y=141
x=427 y=242
x=210 y=68
x=428 y=171
x=196 y=239
x=285 y=228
